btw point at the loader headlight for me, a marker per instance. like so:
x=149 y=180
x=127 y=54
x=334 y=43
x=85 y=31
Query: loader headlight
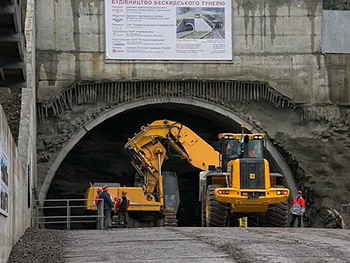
x=282 y=192
x=223 y=192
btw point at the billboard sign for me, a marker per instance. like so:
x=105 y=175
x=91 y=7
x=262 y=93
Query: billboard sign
x=168 y=30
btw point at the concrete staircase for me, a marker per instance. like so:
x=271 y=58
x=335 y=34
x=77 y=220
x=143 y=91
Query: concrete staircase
x=12 y=44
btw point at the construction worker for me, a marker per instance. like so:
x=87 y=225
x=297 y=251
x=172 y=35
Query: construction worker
x=298 y=209
x=99 y=191
x=122 y=206
x=108 y=205
x=233 y=149
x=254 y=149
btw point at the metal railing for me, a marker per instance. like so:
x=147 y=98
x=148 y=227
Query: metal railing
x=68 y=212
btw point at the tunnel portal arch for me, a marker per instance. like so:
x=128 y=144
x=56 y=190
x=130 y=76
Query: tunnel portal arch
x=189 y=27
x=218 y=109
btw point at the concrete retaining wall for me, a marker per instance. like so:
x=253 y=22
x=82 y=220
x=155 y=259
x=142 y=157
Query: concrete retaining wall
x=21 y=159
x=17 y=219
x=278 y=42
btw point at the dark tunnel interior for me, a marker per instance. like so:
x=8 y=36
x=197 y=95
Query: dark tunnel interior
x=100 y=156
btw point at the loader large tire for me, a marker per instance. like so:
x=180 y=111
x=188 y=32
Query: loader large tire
x=277 y=215
x=215 y=211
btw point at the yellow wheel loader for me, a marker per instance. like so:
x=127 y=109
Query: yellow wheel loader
x=242 y=186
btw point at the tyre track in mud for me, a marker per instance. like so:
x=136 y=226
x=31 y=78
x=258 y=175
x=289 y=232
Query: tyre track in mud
x=276 y=244
x=184 y=244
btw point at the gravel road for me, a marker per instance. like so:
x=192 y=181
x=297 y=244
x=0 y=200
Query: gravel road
x=170 y=245
x=40 y=246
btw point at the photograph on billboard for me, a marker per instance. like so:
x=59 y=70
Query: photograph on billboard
x=168 y=30
x=4 y=181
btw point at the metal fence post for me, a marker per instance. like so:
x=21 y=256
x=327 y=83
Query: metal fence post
x=100 y=215
x=68 y=215
x=68 y=212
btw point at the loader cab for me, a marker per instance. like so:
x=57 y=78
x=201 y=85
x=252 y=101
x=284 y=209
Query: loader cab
x=238 y=146
x=256 y=148
x=230 y=148
x=234 y=147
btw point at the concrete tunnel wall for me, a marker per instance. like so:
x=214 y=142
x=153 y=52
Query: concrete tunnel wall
x=132 y=105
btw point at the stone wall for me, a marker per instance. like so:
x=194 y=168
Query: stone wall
x=277 y=42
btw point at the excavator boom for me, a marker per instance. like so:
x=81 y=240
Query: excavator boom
x=166 y=139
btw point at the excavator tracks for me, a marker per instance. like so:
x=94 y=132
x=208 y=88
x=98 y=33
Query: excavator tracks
x=170 y=219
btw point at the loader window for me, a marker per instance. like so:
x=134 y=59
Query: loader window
x=233 y=149
x=255 y=148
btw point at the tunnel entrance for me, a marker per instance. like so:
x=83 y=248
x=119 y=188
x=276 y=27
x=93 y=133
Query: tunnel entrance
x=100 y=157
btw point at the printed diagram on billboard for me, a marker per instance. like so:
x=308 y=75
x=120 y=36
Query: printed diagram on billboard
x=169 y=30
x=4 y=181
x=200 y=23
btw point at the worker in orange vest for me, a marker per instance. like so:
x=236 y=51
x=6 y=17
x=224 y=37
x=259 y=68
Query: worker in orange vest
x=298 y=209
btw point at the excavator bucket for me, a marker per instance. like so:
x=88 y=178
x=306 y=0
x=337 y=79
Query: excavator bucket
x=171 y=192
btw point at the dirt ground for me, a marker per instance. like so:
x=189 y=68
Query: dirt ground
x=10 y=100
x=39 y=246
x=184 y=244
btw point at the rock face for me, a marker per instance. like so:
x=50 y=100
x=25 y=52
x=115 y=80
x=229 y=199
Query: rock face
x=10 y=100
x=321 y=170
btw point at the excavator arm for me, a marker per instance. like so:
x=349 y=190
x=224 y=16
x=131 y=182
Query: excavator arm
x=165 y=139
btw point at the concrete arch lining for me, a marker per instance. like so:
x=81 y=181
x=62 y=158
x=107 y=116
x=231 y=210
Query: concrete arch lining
x=146 y=102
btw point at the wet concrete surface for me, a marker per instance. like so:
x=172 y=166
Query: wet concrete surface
x=208 y=245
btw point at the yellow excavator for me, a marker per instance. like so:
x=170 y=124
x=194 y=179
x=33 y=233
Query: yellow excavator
x=235 y=181
x=155 y=198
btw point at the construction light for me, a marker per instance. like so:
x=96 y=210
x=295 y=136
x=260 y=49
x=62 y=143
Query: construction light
x=223 y=192
x=282 y=192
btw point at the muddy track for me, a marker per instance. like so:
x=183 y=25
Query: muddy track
x=185 y=244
